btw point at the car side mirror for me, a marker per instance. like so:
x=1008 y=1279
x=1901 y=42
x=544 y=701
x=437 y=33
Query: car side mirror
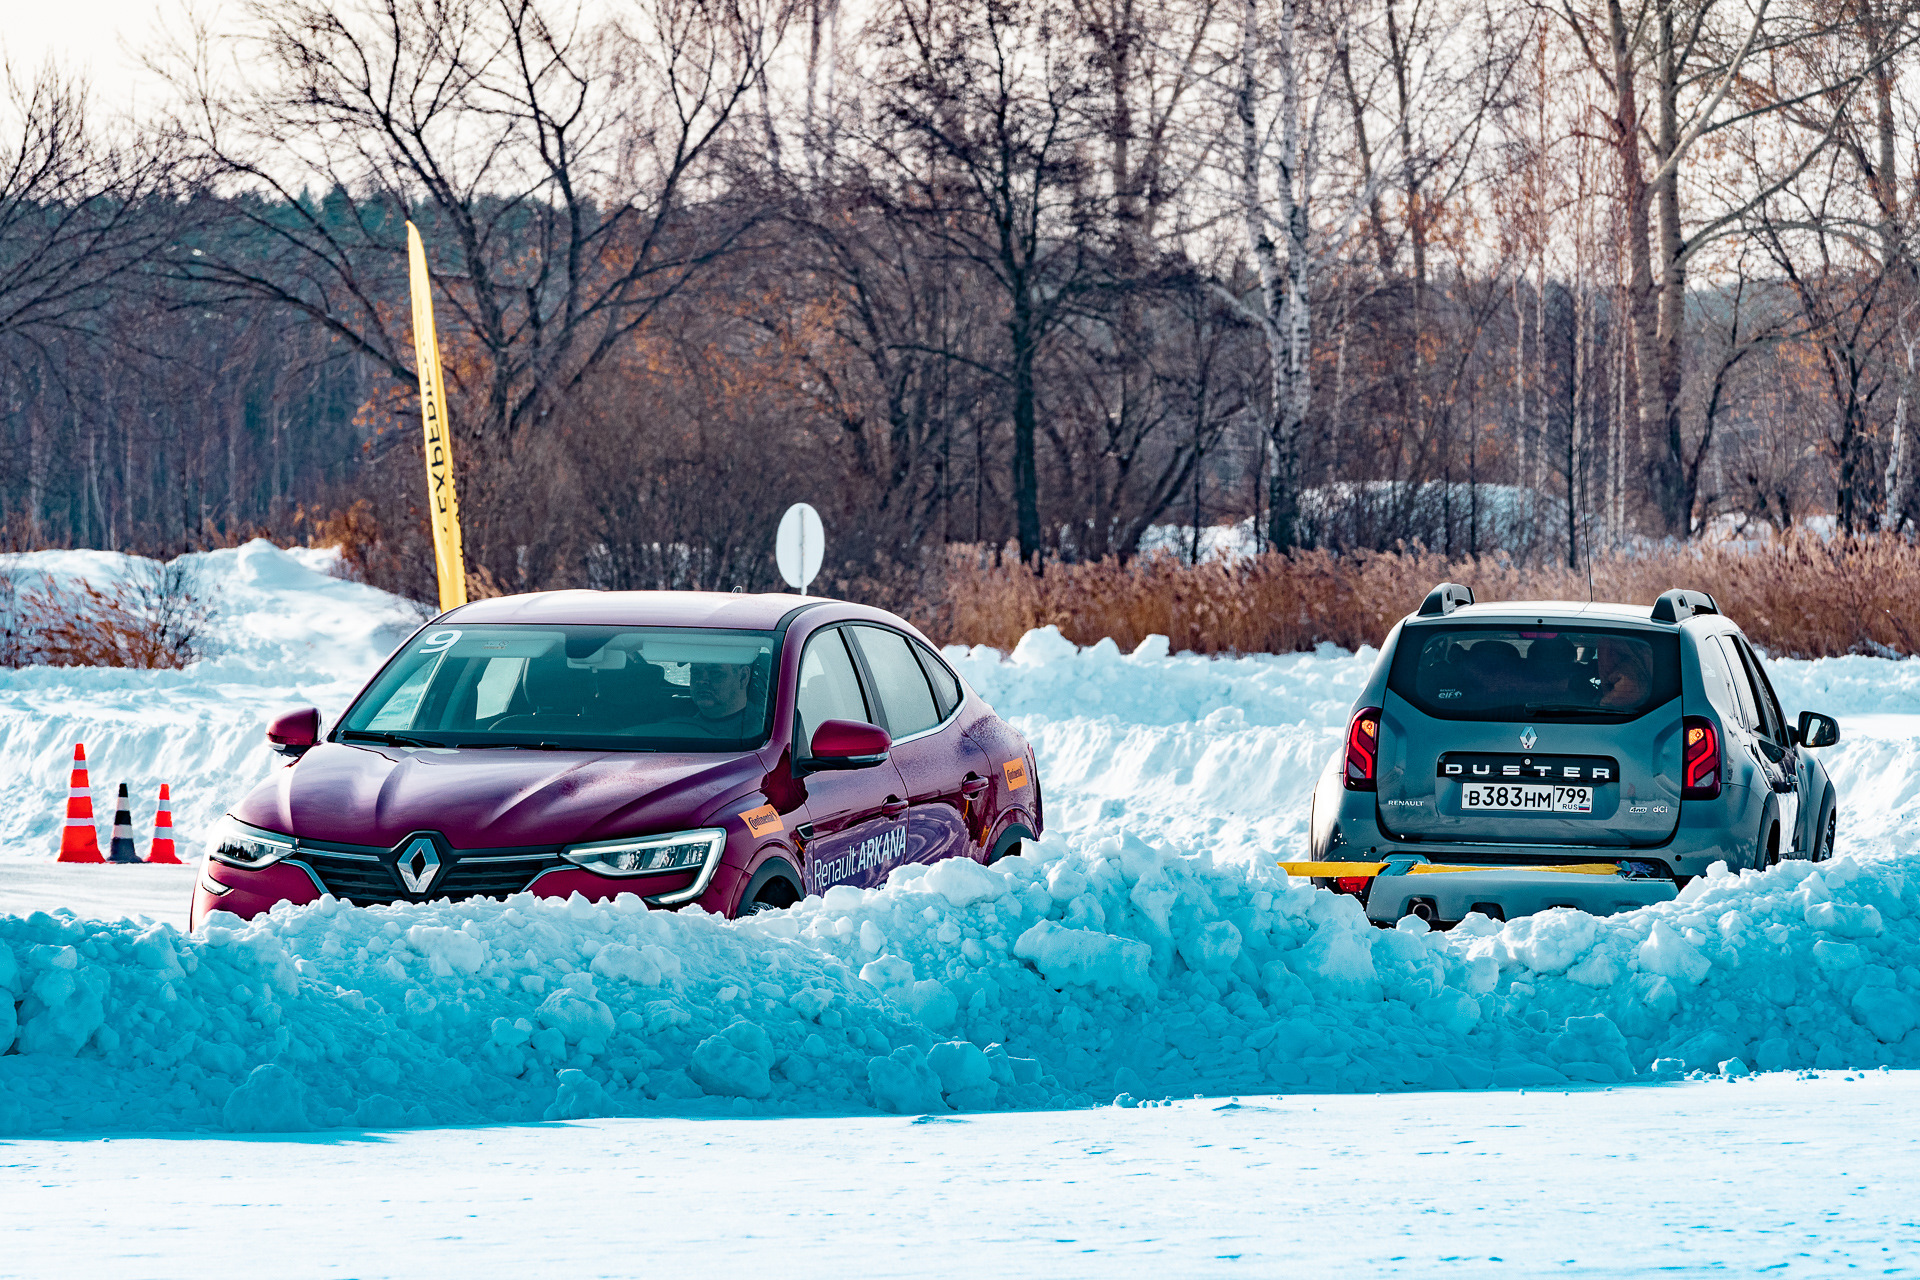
x=1816 y=730
x=293 y=733
x=848 y=744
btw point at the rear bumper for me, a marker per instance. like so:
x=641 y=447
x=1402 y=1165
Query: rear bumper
x=1514 y=891
x=1345 y=827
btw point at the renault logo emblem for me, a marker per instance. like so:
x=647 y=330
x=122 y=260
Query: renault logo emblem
x=418 y=864
x=1528 y=738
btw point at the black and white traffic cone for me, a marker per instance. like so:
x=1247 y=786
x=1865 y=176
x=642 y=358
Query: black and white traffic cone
x=122 y=849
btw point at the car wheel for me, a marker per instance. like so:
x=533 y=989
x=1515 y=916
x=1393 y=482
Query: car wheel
x=1009 y=845
x=774 y=885
x=1823 y=848
x=1771 y=858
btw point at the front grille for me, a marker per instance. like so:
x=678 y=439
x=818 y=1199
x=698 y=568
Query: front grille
x=364 y=877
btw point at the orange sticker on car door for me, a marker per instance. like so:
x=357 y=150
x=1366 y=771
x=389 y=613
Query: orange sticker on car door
x=763 y=821
x=1016 y=774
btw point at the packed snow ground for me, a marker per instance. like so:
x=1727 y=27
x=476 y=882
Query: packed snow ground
x=1790 y=1176
x=1148 y=949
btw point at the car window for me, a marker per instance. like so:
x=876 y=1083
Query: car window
x=584 y=686
x=1749 y=708
x=946 y=689
x=829 y=686
x=1717 y=679
x=396 y=709
x=1774 y=724
x=905 y=696
x=494 y=689
x=1460 y=671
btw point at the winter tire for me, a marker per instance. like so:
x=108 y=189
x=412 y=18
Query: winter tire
x=775 y=885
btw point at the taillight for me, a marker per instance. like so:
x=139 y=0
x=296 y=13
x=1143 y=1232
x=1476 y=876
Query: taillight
x=1363 y=749
x=1355 y=885
x=1699 y=759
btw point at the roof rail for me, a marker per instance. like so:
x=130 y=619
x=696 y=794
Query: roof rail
x=1444 y=599
x=1677 y=605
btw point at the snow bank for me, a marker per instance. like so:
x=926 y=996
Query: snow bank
x=1099 y=966
x=1148 y=947
x=286 y=633
x=1047 y=675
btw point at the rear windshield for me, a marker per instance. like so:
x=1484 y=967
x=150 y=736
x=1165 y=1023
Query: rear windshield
x=621 y=688
x=1593 y=675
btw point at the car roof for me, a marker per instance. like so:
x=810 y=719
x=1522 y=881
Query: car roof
x=752 y=612
x=761 y=611
x=1523 y=610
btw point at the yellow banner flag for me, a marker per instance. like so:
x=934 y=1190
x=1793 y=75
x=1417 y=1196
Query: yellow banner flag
x=442 y=503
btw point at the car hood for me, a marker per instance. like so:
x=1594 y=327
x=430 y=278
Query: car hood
x=492 y=798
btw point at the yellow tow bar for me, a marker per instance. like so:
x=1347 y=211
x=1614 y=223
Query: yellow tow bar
x=1331 y=870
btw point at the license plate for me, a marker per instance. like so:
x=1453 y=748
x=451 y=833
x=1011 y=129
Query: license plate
x=1526 y=797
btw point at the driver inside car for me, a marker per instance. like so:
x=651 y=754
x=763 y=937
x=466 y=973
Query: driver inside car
x=720 y=698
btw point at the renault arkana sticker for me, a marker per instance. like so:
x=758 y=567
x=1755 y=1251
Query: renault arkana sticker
x=763 y=821
x=1016 y=774
x=878 y=851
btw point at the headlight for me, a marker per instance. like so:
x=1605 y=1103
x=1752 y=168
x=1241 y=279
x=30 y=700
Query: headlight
x=650 y=855
x=239 y=845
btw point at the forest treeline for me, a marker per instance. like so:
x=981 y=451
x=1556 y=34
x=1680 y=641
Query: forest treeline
x=1033 y=275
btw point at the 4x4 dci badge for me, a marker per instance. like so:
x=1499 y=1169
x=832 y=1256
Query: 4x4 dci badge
x=1527 y=738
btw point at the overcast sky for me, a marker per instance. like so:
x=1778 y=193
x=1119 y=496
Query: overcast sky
x=100 y=37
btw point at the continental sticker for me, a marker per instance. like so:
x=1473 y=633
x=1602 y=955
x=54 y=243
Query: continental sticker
x=763 y=821
x=1016 y=774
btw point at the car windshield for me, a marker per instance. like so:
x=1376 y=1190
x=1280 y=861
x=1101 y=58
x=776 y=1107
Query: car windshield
x=590 y=687
x=1542 y=673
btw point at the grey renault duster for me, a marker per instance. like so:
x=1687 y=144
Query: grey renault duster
x=1506 y=758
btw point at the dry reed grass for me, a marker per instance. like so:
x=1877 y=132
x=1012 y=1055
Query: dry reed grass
x=158 y=617
x=1797 y=596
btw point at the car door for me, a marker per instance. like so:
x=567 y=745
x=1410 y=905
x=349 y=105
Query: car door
x=1779 y=754
x=944 y=773
x=856 y=819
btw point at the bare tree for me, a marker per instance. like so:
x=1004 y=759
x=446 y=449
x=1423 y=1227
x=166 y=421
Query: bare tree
x=1679 y=73
x=565 y=177
x=77 y=221
x=983 y=130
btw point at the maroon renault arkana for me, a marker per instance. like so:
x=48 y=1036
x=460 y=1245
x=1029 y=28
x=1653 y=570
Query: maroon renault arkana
x=734 y=751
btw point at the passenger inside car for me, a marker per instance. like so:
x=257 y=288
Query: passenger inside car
x=1624 y=672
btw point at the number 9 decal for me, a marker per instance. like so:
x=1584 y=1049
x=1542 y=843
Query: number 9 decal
x=438 y=642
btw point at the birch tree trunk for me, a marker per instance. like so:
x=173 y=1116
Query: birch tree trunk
x=1283 y=312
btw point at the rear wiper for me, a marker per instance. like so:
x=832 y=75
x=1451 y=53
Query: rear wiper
x=389 y=739
x=1572 y=709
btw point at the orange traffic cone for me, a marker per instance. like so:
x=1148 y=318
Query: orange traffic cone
x=121 y=850
x=79 y=842
x=162 y=850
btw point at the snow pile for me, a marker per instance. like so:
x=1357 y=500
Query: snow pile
x=1854 y=685
x=1148 y=947
x=1097 y=967
x=1047 y=675
x=287 y=633
x=1176 y=747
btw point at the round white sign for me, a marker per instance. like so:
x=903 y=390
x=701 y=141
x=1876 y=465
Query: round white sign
x=799 y=545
